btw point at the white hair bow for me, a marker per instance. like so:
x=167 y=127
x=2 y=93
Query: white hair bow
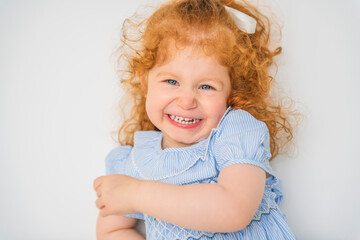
x=244 y=22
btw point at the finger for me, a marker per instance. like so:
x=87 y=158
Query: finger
x=98 y=194
x=99 y=203
x=97 y=182
x=104 y=212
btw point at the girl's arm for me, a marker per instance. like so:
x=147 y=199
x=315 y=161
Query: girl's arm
x=227 y=206
x=116 y=227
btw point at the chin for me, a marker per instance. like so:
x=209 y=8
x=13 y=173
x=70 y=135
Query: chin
x=194 y=141
x=184 y=142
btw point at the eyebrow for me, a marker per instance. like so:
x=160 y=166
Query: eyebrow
x=216 y=80
x=166 y=73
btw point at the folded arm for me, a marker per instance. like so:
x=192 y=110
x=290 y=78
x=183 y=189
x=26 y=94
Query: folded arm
x=227 y=206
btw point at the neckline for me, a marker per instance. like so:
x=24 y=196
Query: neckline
x=149 y=159
x=178 y=149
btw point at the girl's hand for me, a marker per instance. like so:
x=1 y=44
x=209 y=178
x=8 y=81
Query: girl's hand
x=116 y=194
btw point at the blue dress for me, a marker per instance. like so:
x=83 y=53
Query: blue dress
x=238 y=139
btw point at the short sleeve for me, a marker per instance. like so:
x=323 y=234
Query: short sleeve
x=240 y=138
x=115 y=164
x=115 y=158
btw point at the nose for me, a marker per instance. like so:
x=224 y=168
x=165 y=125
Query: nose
x=187 y=99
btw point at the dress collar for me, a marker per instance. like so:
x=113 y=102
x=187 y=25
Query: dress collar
x=154 y=163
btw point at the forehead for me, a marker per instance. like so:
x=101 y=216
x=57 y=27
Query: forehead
x=171 y=51
x=190 y=60
x=199 y=44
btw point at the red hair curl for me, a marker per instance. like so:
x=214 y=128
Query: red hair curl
x=204 y=24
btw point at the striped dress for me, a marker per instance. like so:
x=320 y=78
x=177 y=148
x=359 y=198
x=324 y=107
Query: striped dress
x=238 y=138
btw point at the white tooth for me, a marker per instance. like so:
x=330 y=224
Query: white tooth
x=184 y=120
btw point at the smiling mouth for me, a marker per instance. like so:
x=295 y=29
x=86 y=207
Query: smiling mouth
x=183 y=120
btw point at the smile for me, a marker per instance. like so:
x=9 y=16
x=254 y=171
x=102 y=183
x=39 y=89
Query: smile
x=183 y=120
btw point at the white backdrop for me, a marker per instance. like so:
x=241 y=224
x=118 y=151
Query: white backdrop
x=58 y=88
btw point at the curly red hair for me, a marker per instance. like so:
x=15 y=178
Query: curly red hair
x=203 y=24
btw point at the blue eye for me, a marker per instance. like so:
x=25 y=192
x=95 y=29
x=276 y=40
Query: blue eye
x=172 y=81
x=205 y=87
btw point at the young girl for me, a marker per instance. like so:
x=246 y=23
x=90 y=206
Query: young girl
x=195 y=150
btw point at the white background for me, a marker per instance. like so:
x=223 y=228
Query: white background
x=58 y=90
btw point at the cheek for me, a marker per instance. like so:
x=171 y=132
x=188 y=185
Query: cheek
x=151 y=111
x=147 y=106
x=220 y=110
x=154 y=102
x=216 y=107
x=150 y=105
x=217 y=101
x=159 y=96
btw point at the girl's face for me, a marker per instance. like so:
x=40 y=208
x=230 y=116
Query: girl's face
x=187 y=97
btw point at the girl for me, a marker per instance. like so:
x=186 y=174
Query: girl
x=194 y=160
